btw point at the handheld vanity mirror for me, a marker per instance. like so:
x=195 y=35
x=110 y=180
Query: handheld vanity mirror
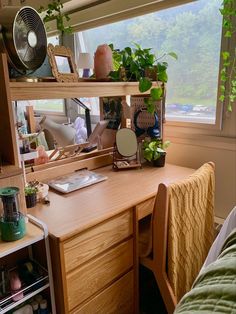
x=126 y=153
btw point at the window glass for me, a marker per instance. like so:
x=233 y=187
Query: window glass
x=50 y=105
x=193 y=31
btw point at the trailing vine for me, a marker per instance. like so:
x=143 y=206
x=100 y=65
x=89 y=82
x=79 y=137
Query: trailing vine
x=228 y=70
x=54 y=11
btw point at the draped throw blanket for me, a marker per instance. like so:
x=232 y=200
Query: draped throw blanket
x=190 y=227
x=214 y=289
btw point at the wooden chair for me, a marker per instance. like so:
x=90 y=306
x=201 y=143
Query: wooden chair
x=156 y=232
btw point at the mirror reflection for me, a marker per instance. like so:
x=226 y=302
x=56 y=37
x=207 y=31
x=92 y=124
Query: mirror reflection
x=126 y=142
x=63 y=64
x=52 y=135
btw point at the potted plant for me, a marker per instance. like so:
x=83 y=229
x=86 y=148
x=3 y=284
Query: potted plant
x=154 y=151
x=138 y=64
x=31 y=195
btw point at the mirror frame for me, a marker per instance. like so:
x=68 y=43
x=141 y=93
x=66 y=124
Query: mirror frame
x=61 y=51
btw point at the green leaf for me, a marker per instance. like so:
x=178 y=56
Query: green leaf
x=144 y=84
x=232 y=98
x=225 y=55
x=128 y=51
x=229 y=107
x=156 y=93
x=228 y=34
x=147 y=154
x=173 y=55
x=222 y=88
x=150 y=107
x=166 y=144
x=153 y=145
x=161 y=67
x=222 y=98
x=156 y=155
x=162 y=76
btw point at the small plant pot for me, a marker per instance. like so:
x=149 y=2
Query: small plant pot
x=160 y=162
x=31 y=200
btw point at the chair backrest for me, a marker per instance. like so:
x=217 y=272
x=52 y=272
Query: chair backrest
x=183 y=230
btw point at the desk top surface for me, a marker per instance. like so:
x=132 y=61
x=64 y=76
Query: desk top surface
x=69 y=214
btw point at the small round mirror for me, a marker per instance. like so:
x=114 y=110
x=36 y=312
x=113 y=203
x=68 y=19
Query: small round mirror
x=126 y=142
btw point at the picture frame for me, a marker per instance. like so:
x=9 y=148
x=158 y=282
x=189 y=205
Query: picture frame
x=62 y=63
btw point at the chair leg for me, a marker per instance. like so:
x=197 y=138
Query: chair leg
x=163 y=284
x=166 y=291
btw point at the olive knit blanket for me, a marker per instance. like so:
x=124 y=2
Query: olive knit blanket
x=214 y=290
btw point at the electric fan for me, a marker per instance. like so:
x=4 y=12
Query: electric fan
x=23 y=38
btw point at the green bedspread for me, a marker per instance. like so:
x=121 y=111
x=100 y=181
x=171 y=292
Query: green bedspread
x=214 y=290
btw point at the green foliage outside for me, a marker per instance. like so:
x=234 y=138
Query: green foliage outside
x=192 y=31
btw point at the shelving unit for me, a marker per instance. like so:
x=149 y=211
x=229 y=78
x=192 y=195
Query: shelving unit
x=54 y=90
x=82 y=281
x=36 y=231
x=34 y=234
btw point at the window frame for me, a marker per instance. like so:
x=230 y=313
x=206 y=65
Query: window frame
x=218 y=124
x=51 y=112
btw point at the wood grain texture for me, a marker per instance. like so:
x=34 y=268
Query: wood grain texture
x=69 y=160
x=55 y=90
x=97 y=239
x=95 y=275
x=32 y=232
x=62 y=169
x=9 y=170
x=58 y=275
x=77 y=211
x=116 y=299
x=8 y=143
x=145 y=208
x=31 y=119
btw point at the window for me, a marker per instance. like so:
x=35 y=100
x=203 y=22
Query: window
x=55 y=106
x=191 y=30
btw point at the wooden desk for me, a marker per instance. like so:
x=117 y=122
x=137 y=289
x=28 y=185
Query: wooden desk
x=94 y=238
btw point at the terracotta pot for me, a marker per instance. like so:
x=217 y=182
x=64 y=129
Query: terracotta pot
x=160 y=162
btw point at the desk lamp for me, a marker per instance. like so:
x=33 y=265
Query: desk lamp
x=86 y=63
x=64 y=135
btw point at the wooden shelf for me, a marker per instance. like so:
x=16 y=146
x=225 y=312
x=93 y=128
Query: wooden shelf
x=9 y=171
x=33 y=234
x=55 y=90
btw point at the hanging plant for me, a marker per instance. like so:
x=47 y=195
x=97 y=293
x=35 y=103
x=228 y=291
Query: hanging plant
x=228 y=71
x=54 y=12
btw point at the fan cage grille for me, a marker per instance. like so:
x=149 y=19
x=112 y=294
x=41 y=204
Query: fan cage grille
x=28 y=20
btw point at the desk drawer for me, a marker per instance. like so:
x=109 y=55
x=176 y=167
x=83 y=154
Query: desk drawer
x=116 y=299
x=145 y=208
x=96 y=240
x=98 y=273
